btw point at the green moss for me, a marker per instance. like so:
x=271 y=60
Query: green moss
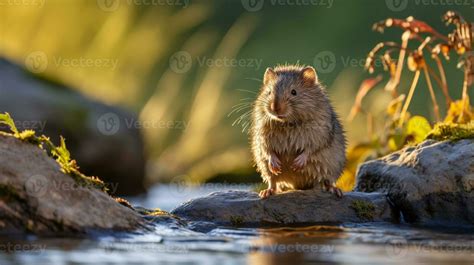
x=157 y=212
x=364 y=210
x=236 y=220
x=60 y=153
x=452 y=131
x=148 y=212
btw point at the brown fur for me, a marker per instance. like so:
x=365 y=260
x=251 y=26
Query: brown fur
x=309 y=126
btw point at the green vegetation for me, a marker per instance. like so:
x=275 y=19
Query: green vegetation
x=420 y=46
x=60 y=153
x=236 y=220
x=452 y=131
x=155 y=212
x=364 y=210
x=144 y=39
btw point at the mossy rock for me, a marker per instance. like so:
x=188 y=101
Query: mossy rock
x=452 y=131
x=364 y=210
x=36 y=197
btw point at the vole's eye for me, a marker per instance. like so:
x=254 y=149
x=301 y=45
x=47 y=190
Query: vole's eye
x=269 y=92
x=293 y=92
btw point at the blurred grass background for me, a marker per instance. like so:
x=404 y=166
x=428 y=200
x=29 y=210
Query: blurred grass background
x=143 y=37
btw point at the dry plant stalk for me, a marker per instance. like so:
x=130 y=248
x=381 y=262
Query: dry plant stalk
x=432 y=42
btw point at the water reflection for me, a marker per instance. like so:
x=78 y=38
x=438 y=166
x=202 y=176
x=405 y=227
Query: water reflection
x=371 y=243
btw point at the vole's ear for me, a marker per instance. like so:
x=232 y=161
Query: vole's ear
x=269 y=76
x=309 y=76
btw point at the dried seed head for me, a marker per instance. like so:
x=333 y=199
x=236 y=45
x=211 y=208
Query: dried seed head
x=415 y=61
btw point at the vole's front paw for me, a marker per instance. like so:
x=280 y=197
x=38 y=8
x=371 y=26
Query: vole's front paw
x=274 y=164
x=333 y=189
x=266 y=193
x=337 y=192
x=299 y=162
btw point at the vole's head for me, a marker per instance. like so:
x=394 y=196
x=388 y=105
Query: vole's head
x=289 y=93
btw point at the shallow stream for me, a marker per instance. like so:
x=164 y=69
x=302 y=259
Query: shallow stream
x=372 y=243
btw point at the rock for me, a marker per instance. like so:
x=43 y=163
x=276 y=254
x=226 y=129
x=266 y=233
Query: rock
x=242 y=208
x=36 y=197
x=430 y=184
x=97 y=135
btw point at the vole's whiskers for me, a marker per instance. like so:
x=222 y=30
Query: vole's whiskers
x=248 y=91
x=239 y=107
x=243 y=104
x=254 y=79
x=243 y=120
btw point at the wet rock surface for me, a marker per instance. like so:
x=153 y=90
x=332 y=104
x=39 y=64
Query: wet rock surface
x=428 y=184
x=98 y=136
x=36 y=197
x=431 y=183
x=242 y=208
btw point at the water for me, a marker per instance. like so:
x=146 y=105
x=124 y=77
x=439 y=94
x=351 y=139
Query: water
x=349 y=244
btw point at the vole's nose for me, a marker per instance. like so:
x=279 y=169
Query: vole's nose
x=275 y=107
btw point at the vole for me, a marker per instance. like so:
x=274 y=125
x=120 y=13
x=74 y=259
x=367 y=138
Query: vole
x=296 y=138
